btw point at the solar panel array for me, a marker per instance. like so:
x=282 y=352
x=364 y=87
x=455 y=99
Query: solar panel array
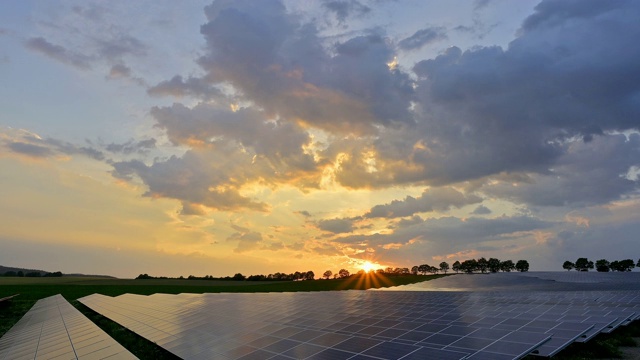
x=370 y=324
x=53 y=329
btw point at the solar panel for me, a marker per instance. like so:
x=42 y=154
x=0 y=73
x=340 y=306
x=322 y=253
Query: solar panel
x=362 y=323
x=53 y=328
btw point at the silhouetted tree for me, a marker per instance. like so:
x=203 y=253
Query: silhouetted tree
x=444 y=266
x=327 y=274
x=507 y=266
x=522 y=265
x=483 y=265
x=568 y=265
x=469 y=266
x=414 y=270
x=456 y=266
x=583 y=264
x=343 y=273
x=310 y=275
x=238 y=277
x=424 y=268
x=493 y=264
x=602 y=265
x=638 y=264
x=622 y=265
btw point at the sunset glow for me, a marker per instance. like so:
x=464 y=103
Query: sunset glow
x=258 y=137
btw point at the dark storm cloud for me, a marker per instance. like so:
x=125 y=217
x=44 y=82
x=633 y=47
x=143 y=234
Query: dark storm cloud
x=58 y=53
x=435 y=199
x=423 y=37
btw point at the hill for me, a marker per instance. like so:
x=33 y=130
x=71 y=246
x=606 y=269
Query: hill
x=6 y=269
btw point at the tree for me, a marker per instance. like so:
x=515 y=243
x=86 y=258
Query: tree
x=615 y=265
x=327 y=274
x=310 y=275
x=483 y=265
x=568 y=265
x=414 y=270
x=493 y=264
x=444 y=266
x=626 y=265
x=456 y=266
x=602 y=265
x=522 y=265
x=469 y=266
x=583 y=264
x=343 y=273
x=238 y=277
x=638 y=264
x=423 y=269
x=507 y=266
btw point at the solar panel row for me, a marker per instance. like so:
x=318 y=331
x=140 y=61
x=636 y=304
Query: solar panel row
x=368 y=325
x=53 y=329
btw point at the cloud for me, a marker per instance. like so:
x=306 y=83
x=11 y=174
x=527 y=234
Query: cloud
x=481 y=210
x=284 y=67
x=434 y=199
x=336 y=226
x=193 y=178
x=342 y=9
x=58 y=53
x=588 y=174
x=30 y=149
x=450 y=234
x=132 y=146
x=247 y=241
x=423 y=37
x=179 y=87
x=30 y=144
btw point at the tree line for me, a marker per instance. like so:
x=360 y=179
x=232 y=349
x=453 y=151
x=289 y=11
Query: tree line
x=470 y=266
x=481 y=265
x=602 y=265
x=31 y=274
x=278 y=276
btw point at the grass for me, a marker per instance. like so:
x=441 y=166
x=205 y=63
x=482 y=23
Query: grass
x=73 y=288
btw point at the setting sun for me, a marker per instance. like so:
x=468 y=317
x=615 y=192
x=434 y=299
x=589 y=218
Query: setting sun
x=368 y=266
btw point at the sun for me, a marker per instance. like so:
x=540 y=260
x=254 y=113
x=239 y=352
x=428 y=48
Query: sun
x=367 y=266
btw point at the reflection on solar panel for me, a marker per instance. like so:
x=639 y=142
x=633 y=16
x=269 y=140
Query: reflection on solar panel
x=53 y=329
x=369 y=324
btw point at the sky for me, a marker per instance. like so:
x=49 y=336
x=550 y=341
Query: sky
x=211 y=138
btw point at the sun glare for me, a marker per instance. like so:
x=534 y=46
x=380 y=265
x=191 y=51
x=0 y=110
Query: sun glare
x=368 y=266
